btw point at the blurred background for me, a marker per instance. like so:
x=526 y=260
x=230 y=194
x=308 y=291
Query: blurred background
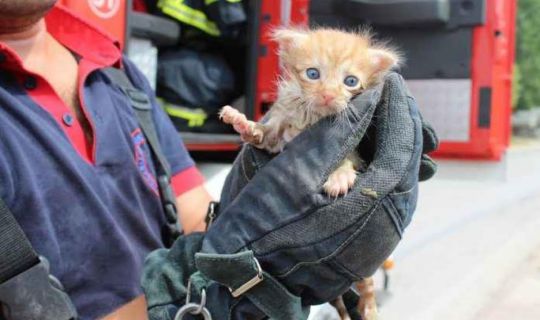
x=473 y=249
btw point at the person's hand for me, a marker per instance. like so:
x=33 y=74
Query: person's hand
x=311 y=247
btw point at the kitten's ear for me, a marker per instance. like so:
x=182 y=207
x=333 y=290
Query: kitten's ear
x=288 y=38
x=383 y=60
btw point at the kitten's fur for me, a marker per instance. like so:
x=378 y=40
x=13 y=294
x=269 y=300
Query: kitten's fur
x=303 y=98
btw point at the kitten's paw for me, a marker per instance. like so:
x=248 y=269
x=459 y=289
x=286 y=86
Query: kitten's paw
x=369 y=311
x=234 y=117
x=340 y=181
x=248 y=130
x=253 y=135
x=367 y=305
x=341 y=308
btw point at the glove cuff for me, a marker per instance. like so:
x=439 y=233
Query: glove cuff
x=241 y=273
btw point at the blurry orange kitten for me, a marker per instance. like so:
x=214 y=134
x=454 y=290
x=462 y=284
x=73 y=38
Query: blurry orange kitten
x=323 y=69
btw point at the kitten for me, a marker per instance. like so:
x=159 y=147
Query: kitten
x=322 y=70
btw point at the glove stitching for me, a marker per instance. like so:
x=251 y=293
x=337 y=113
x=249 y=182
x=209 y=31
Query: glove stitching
x=410 y=162
x=221 y=259
x=244 y=169
x=399 y=232
x=403 y=192
x=235 y=303
x=273 y=284
x=344 y=270
x=399 y=224
x=337 y=250
x=330 y=205
x=367 y=201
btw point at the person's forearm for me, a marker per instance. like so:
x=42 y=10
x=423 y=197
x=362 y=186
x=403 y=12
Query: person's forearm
x=133 y=310
x=192 y=207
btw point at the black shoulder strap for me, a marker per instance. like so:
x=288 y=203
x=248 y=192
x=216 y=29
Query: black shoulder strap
x=143 y=110
x=16 y=251
x=27 y=289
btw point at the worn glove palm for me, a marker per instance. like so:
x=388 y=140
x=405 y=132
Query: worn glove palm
x=312 y=247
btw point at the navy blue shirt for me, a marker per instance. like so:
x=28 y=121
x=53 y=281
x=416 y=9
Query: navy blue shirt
x=91 y=207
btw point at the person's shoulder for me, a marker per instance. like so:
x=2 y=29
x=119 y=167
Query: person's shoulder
x=136 y=76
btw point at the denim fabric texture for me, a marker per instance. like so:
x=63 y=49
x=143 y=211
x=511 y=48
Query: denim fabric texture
x=274 y=208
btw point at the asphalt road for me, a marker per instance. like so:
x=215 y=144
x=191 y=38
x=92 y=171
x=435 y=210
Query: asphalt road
x=478 y=267
x=518 y=296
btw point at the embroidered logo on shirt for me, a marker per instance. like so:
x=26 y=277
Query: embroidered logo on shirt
x=141 y=161
x=104 y=9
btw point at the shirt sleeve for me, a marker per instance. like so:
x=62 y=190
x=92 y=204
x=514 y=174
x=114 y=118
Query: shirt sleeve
x=185 y=176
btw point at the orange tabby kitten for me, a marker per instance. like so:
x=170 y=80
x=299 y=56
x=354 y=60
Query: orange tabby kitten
x=323 y=69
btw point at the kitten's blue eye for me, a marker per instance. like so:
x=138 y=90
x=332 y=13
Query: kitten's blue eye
x=351 y=81
x=313 y=73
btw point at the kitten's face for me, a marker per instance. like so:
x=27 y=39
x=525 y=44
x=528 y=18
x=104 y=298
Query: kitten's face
x=330 y=66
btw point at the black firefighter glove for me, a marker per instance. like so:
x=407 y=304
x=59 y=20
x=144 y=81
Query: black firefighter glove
x=280 y=243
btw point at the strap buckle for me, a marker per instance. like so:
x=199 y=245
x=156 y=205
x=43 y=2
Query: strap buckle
x=173 y=228
x=168 y=198
x=259 y=277
x=193 y=308
x=35 y=295
x=211 y=214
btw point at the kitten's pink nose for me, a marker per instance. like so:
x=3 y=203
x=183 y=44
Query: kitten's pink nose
x=327 y=98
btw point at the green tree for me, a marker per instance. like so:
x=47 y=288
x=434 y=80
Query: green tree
x=527 y=75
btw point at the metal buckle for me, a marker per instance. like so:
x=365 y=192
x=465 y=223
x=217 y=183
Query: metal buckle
x=251 y=283
x=173 y=228
x=35 y=295
x=164 y=184
x=211 y=214
x=193 y=308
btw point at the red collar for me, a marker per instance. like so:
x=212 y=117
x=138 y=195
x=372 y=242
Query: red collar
x=79 y=36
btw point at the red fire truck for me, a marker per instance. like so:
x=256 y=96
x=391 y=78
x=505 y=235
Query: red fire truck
x=459 y=55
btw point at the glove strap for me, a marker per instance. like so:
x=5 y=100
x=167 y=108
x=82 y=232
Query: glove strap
x=242 y=274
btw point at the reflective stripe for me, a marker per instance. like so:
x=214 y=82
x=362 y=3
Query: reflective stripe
x=286 y=7
x=196 y=18
x=194 y=117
